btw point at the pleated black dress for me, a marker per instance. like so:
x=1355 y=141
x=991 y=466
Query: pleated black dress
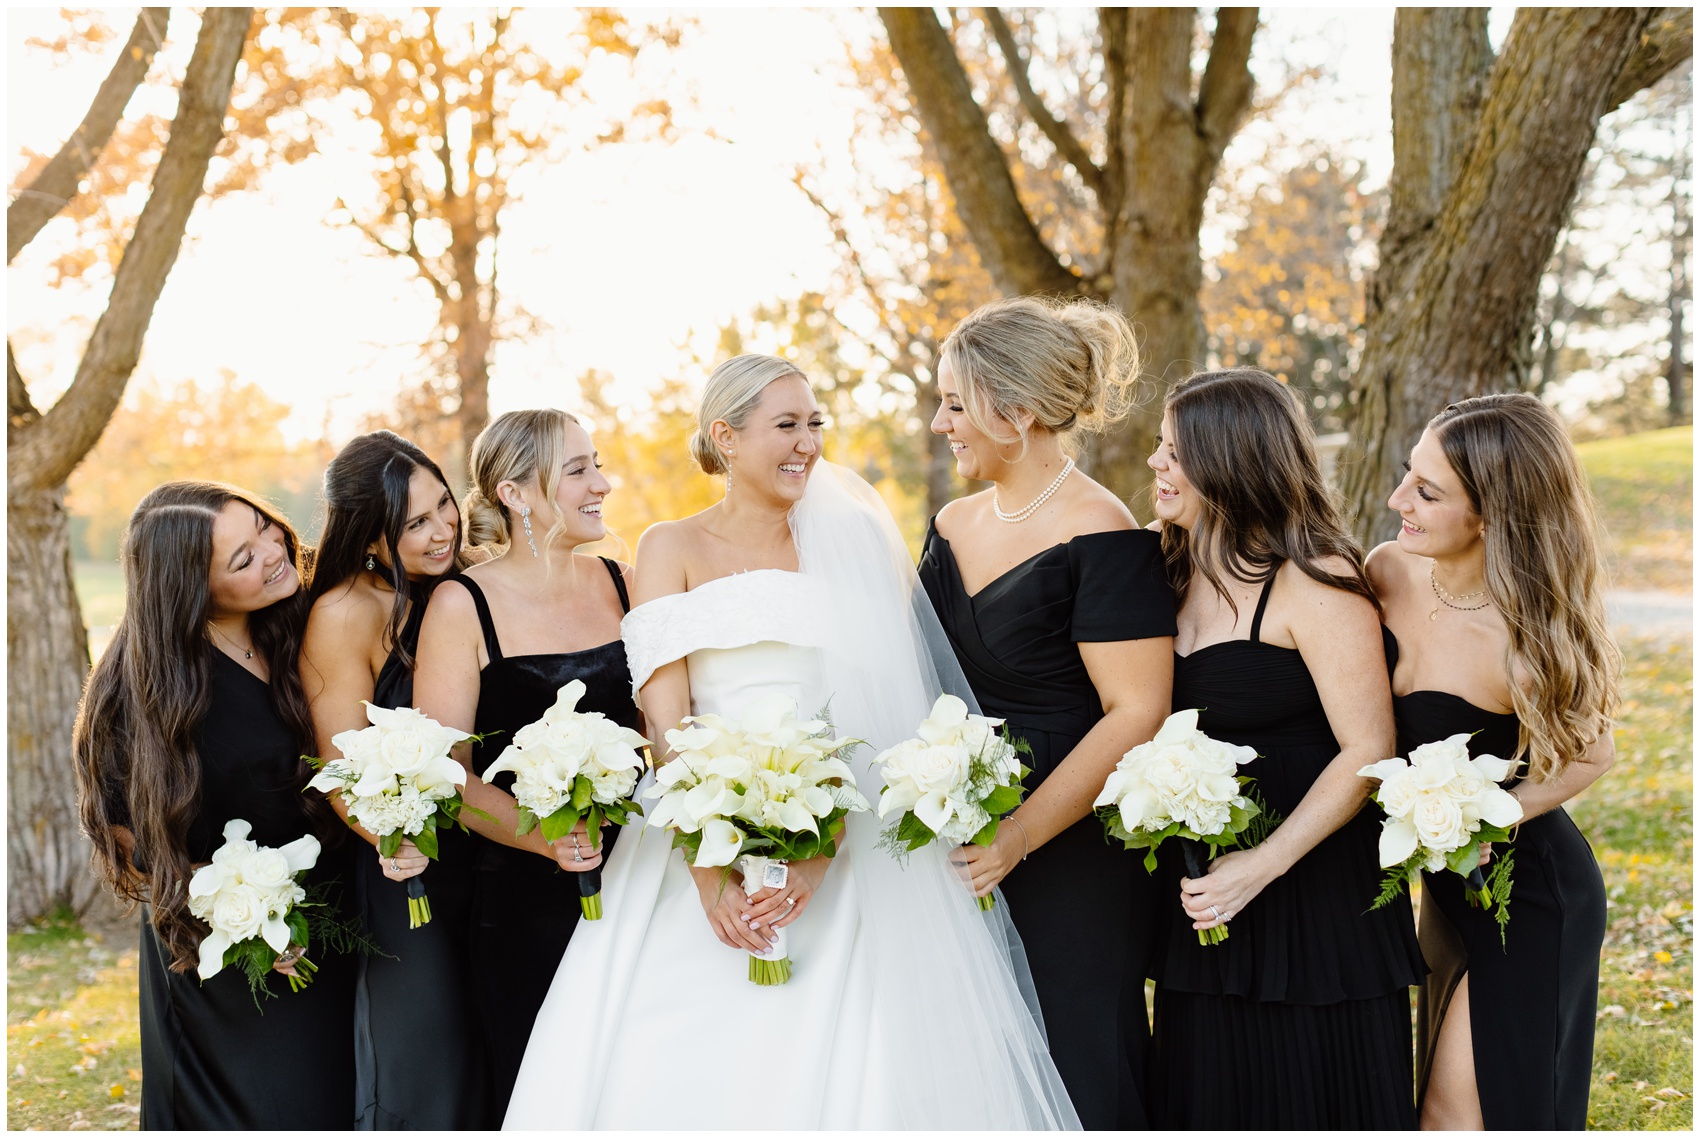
x=1086 y=910
x=1301 y=1019
x=1532 y=999
x=525 y=908
x=211 y=1060
x=419 y=1058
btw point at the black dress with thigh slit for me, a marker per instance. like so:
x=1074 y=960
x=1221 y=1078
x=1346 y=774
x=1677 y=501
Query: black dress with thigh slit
x=1531 y=998
x=1301 y=1019
x=1086 y=910
x=524 y=907
x=211 y=1059
x=419 y=1059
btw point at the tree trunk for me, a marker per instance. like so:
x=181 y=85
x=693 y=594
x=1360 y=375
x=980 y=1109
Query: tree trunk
x=47 y=655
x=1682 y=236
x=46 y=645
x=1478 y=199
x=56 y=185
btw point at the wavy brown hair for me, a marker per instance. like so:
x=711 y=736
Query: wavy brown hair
x=1249 y=452
x=134 y=741
x=1543 y=569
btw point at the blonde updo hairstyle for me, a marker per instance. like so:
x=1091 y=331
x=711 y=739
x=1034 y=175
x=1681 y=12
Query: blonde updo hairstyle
x=527 y=447
x=730 y=395
x=1074 y=365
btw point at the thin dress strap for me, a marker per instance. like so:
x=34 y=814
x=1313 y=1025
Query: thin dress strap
x=1263 y=603
x=619 y=583
x=485 y=620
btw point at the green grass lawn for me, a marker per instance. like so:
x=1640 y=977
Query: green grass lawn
x=1645 y=488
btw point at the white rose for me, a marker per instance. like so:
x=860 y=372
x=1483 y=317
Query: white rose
x=1439 y=823
x=239 y=911
x=267 y=870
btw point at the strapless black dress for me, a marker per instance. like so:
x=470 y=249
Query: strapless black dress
x=211 y=1060
x=1531 y=999
x=525 y=908
x=418 y=1057
x=1086 y=910
x=1300 y=1020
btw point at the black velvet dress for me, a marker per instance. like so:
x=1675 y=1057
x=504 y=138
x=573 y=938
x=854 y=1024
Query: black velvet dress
x=1301 y=1019
x=1086 y=910
x=525 y=908
x=419 y=1058
x=1532 y=999
x=211 y=1060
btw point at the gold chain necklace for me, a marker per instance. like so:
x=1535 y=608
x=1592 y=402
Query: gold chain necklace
x=247 y=653
x=1448 y=599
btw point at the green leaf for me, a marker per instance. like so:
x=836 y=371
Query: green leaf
x=426 y=840
x=913 y=832
x=988 y=833
x=559 y=824
x=582 y=793
x=527 y=822
x=1002 y=800
x=389 y=843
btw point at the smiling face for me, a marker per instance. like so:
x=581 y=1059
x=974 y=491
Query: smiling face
x=978 y=455
x=1438 y=519
x=251 y=567
x=580 y=490
x=1176 y=499
x=778 y=444
x=428 y=536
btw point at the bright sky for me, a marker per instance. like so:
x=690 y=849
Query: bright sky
x=625 y=253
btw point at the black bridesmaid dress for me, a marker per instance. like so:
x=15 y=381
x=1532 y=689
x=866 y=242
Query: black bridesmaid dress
x=418 y=1056
x=1086 y=910
x=525 y=908
x=211 y=1060
x=1301 y=1019
x=1532 y=999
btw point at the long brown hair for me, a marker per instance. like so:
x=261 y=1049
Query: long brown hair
x=1248 y=451
x=134 y=741
x=1543 y=569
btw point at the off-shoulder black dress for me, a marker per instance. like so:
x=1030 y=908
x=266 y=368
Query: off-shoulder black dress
x=211 y=1059
x=524 y=907
x=1531 y=999
x=1085 y=910
x=1301 y=1019
x=418 y=1057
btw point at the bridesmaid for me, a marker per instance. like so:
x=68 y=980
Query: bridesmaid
x=195 y=716
x=1495 y=593
x=1055 y=603
x=498 y=643
x=391 y=532
x=1301 y=1019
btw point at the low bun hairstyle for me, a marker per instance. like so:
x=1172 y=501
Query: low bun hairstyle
x=731 y=393
x=527 y=447
x=1543 y=569
x=1074 y=364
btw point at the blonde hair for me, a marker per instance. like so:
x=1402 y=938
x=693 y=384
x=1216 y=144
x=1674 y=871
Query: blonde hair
x=527 y=447
x=1543 y=569
x=1073 y=364
x=731 y=393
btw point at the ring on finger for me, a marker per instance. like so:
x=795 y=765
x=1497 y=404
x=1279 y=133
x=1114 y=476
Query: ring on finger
x=393 y=867
x=790 y=901
x=1218 y=913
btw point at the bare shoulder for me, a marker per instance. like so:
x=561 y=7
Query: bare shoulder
x=1307 y=592
x=1389 y=568
x=1094 y=509
x=451 y=603
x=960 y=514
x=346 y=614
x=662 y=554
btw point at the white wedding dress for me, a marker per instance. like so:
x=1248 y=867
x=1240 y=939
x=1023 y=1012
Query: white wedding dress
x=904 y=1009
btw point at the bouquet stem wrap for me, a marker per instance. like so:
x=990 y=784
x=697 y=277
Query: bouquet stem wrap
x=774 y=965
x=418 y=905
x=1197 y=865
x=590 y=894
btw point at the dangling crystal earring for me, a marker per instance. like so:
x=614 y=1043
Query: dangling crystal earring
x=370 y=564
x=525 y=520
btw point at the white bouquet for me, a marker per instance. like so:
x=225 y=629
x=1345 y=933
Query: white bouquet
x=1440 y=805
x=257 y=905
x=399 y=781
x=1183 y=784
x=763 y=792
x=953 y=782
x=572 y=765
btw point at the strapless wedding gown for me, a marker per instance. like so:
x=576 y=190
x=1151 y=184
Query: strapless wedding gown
x=652 y=1022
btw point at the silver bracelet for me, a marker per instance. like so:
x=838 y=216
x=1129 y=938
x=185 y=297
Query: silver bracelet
x=1024 y=842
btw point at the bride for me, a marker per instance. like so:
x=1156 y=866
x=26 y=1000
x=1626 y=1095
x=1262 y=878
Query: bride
x=904 y=1010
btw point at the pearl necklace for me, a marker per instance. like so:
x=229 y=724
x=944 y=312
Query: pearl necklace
x=1026 y=511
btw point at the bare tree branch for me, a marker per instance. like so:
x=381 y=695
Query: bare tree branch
x=1666 y=41
x=1003 y=233
x=20 y=412
x=44 y=455
x=1225 y=91
x=1055 y=129
x=56 y=185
